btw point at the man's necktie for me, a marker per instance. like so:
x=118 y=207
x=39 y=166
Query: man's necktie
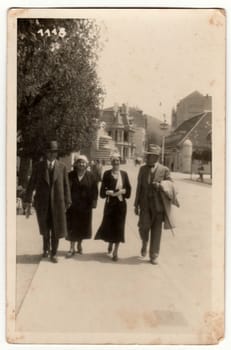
x=50 y=168
x=152 y=175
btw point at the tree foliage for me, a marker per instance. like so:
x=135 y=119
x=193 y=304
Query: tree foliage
x=58 y=91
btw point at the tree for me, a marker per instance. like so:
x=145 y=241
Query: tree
x=58 y=91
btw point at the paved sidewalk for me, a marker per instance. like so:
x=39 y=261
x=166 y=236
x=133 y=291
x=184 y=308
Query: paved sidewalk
x=91 y=295
x=28 y=250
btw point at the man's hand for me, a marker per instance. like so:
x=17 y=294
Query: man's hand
x=156 y=185
x=136 y=211
x=68 y=206
x=94 y=204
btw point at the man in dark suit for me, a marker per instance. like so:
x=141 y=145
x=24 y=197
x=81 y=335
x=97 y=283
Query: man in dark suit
x=148 y=203
x=52 y=198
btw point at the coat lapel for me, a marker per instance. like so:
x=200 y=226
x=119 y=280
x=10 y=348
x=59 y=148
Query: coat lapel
x=55 y=172
x=157 y=172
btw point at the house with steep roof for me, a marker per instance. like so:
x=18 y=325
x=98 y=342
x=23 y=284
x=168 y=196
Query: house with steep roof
x=191 y=137
x=127 y=127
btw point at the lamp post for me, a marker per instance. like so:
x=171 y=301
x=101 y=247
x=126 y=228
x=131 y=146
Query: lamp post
x=163 y=126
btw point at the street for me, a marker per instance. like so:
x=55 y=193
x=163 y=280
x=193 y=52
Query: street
x=91 y=294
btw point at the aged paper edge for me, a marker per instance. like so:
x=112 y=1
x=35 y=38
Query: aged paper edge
x=215 y=316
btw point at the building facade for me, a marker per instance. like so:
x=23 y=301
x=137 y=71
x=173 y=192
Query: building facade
x=126 y=126
x=191 y=105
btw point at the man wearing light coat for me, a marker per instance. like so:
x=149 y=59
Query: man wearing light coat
x=148 y=202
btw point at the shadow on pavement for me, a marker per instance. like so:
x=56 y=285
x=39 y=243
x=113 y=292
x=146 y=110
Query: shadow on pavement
x=105 y=258
x=28 y=259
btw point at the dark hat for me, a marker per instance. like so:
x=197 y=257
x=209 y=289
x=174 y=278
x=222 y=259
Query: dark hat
x=52 y=146
x=153 y=149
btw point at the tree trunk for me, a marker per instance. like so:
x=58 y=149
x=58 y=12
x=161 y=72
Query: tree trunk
x=24 y=171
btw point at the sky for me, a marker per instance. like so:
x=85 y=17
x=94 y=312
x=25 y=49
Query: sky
x=153 y=58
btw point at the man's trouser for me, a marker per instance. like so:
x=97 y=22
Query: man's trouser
x=49 y=237
x=155 y=231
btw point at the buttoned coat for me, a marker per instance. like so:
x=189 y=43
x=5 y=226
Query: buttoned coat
x=54 y=196
x=84 y=194
x=147 y=199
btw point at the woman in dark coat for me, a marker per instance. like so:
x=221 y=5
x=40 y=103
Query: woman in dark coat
x=115 y=188
x=84 y=193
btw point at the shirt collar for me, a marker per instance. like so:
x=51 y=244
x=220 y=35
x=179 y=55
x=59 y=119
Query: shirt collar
x=52 y=163
x=154 y=166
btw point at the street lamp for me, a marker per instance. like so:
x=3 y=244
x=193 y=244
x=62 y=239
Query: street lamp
x=163 y=126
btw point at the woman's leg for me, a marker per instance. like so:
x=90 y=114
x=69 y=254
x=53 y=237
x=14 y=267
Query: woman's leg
x=79 y=247
x=72 y=250
x=110 y=247
x=115 y=252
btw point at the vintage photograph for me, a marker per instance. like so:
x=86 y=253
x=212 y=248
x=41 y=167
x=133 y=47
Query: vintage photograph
x=115 y=164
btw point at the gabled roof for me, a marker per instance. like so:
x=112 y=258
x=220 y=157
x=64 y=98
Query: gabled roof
x=183 y=130
x=194 y=93
x=108 y=116
x=189 y=123
x=134 y=114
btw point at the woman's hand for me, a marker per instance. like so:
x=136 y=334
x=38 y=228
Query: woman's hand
x=119 y=192
x=109 y=193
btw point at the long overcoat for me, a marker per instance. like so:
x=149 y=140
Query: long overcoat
x=147 y=199
x=54 y=196
x=84 y=194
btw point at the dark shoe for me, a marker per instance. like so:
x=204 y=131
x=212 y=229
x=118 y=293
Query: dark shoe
x=54 y=259
x=154 y=261
x=80 y=251
x=115 y=258
x=45 y=254
x=143 y=251
x=70 y=254
x=110 y=246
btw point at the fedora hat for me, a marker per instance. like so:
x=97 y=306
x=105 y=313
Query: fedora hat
x=52 y=146
x=153 y=149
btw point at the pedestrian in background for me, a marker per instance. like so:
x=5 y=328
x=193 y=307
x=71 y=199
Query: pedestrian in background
x=52 y=198
x=84 y=195
x=97 y=169
x=148 y=202
x=115 y=188
x=201 y=173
